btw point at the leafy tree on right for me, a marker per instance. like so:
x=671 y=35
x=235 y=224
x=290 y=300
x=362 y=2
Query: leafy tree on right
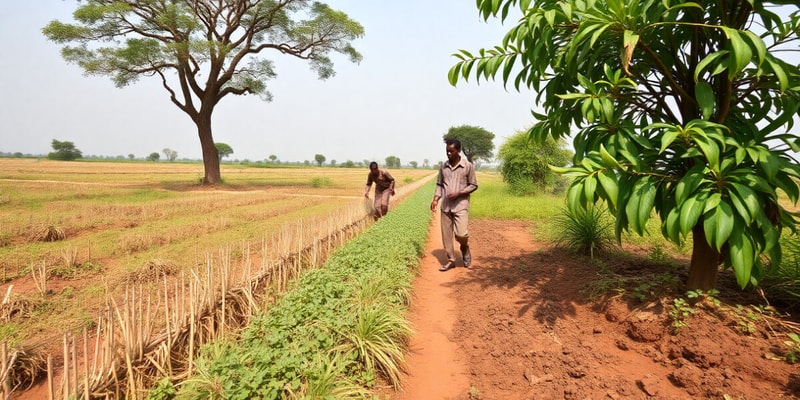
x=684 y=108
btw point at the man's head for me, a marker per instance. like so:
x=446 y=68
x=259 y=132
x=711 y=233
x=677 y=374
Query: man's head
x=452 y=148
x=373 y=168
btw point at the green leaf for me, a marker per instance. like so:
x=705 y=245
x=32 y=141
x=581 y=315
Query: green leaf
x=749 y=199
x=770 y=163
x=712 y=202
x=718 y=225
x=608 y=159
x=741 y=51
x=688 y=184
x=705 y=98
x=609 y=184
x=741 y=256
x=667 y=139
x=671 y=226
x=708 y=60
x=691 y=210
x=777 y=69
x=710 y=150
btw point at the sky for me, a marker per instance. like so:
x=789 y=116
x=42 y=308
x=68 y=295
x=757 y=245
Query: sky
x=395 y=102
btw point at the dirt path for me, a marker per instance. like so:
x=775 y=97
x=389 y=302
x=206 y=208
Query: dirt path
x=516 y=325
x=437 y=369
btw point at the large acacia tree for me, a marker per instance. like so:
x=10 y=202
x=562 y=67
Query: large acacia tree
x=203 y=50
x=684 y=108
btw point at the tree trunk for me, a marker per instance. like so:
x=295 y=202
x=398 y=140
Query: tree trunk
x=705 y=262
x=210 y=155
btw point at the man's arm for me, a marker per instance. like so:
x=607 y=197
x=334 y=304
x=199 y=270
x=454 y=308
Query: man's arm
x=369 y=184
x=439 y=191
x=391 y=181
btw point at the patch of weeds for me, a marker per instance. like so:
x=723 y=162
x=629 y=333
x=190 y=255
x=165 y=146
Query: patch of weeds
x=75 y=271
x=709 y=297
x=642 y=292
x=655 y=285
x=11 y=333
x=746 y=320
x=408 y=179
x=793 y=354
x=680 y=312
x=522 y=267
x=164 y=390
x=474 y=393
x=657 y=254
x=321 y=181
x=605 y=283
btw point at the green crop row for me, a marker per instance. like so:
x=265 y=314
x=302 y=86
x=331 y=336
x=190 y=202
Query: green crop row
x=341 y=330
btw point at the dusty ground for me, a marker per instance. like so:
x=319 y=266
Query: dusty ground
x=519 y=324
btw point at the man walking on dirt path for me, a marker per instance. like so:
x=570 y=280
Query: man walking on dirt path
x=455 y=183
x=384 y=188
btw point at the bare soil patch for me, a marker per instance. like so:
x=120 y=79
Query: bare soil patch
x=518 y=324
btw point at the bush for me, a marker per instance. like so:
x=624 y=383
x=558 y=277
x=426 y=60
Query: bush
x=525 y=164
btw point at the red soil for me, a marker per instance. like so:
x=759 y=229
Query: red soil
x=516 y=326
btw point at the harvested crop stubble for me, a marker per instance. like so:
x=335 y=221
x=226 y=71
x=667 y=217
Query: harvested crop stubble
x=47 y=233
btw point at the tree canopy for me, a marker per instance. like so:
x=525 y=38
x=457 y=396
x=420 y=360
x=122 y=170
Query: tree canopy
x=170 y=154
x=64 y=151
x=392 y=162
x=476 y=142
x=682 y=108
x=223 y=150
x=319 y=159
x=203 y=51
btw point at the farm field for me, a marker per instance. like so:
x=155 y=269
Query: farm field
x=74 y=234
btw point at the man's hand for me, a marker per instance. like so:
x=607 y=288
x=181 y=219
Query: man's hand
x=392 y=192
x=433 y=204
x=366 y=196
x=453 y=196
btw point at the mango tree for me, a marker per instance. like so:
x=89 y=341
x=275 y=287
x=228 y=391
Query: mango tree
x=684 y=108
x=203 y=51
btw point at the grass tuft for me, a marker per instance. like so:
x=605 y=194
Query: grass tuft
x=584 y=231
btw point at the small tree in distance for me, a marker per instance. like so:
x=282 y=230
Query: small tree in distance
x=319 y=158
x=392 y=162
x=153 y=156
x=476 y=142
x=64 y=151
x=223 y=149
x=170 y=154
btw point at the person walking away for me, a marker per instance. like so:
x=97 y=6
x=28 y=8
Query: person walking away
x=384 y=188
x=454 y=184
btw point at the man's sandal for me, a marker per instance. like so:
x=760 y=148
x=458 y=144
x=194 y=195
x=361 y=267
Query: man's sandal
x=450 y=265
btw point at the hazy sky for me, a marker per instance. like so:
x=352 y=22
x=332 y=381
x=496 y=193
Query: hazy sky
x=397 y=101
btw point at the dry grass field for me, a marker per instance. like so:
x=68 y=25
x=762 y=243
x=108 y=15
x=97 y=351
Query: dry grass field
x=75 y=234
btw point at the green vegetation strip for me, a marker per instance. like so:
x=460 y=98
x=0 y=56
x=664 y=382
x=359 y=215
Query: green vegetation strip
x=337 y=332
